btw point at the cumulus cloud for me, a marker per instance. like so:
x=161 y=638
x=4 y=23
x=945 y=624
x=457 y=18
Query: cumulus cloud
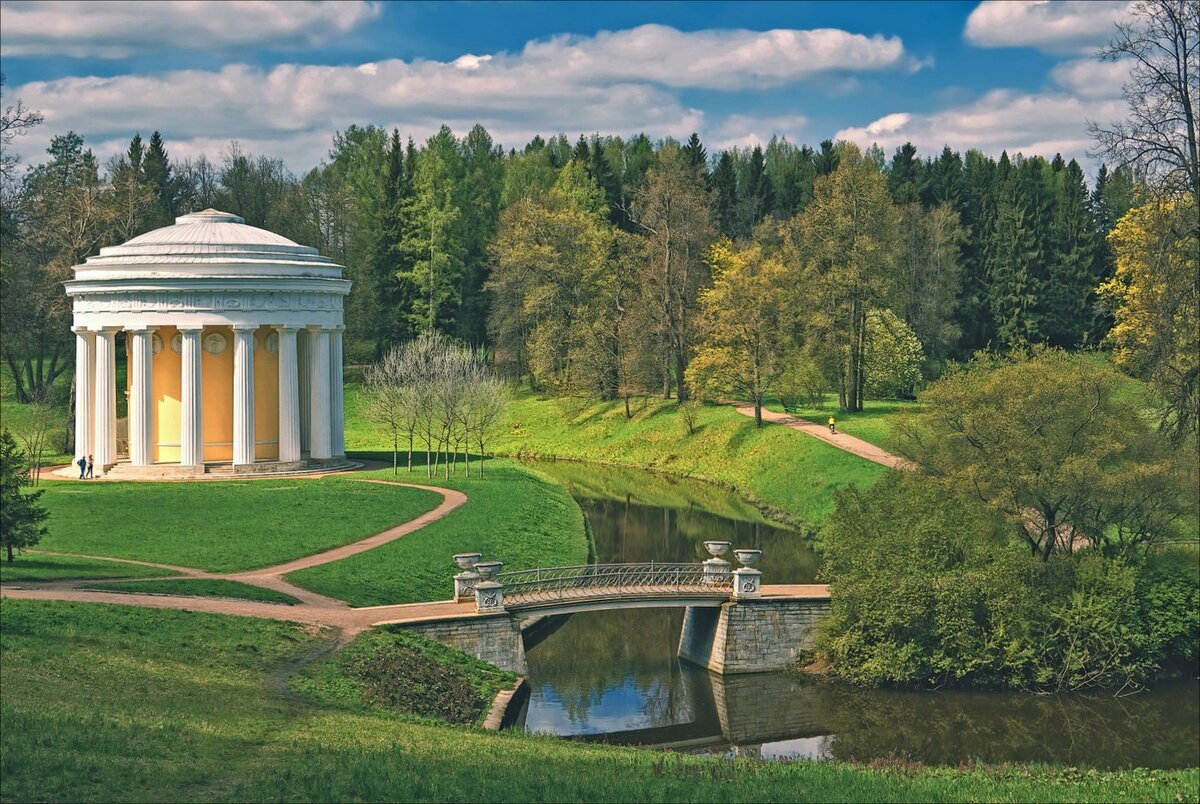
x=117 y=30
x=1043 y=123
x=620 y=82
x=746 y=131
x=1063 y=26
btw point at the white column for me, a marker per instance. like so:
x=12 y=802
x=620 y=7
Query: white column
x=303 y=352
x=104 y=421
x=337 y=414
x=85 y=391
x=141 y=383
x=191 y=399
x=289 y=396
x=243 y=395
x=318 y=374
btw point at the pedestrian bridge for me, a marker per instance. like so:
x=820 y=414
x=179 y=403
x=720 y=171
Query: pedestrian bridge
x=591 y=587
x=733 y=623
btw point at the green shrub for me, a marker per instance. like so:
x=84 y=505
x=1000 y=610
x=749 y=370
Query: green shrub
x=929 y=589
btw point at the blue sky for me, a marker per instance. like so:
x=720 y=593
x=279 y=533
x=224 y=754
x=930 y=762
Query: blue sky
x=281 y=78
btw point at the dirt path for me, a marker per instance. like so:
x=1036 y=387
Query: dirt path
x=848 y=443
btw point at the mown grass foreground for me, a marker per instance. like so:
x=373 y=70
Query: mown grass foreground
x=108 y=703
x=791 y=474
x=512 y=514
x=37 y=566
x=223 y=526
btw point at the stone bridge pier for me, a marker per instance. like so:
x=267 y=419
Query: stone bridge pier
x=751 y=635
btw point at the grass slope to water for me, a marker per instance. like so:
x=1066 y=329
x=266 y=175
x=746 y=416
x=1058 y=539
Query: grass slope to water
x=198 y=587
x=791 y=474
x=512 y=514
x=392 y=670
x=223 y=526
x=34 y=566
x=109 y=703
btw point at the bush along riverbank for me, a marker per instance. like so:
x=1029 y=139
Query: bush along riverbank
x=1049 y=557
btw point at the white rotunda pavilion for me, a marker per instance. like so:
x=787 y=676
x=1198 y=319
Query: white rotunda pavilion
x=233 y=338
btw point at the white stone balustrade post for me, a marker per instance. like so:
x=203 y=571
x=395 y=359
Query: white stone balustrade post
x=141 y=383
x=319 y=441
x=337 y=415
x=191 y=397
x=489 y=597
x=464 y=585
x=289 y=397
x=85 y=390
x=104 y=421
x=243 y=395
x=716 y=571
x=747 y=582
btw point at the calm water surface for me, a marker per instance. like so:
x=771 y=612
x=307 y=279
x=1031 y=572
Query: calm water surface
x=614 y=676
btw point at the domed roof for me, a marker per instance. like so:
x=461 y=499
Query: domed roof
x=209 y=242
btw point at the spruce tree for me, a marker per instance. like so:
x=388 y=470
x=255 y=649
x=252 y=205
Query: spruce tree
x=905 y=175
x=21 y=514
x=156 y=168
x=724 y=181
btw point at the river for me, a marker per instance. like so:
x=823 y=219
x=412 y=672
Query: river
x=614 y=677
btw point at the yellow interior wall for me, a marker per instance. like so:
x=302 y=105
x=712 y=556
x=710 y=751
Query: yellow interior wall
x=167 y=392
x=217 y=374
x=266 y=398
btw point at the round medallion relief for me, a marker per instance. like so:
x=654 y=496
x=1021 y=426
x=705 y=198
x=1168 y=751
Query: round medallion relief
x=273 y=343
x=156 y=344
x=215 y=343
x=177 y=343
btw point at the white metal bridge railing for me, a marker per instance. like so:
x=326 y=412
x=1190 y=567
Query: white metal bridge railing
x=562 y=583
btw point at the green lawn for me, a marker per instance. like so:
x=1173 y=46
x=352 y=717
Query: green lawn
x=32 y=566
x=198 y=587
x=223 y=526
x=512 y=514
x=789 y=474
x=109 y=703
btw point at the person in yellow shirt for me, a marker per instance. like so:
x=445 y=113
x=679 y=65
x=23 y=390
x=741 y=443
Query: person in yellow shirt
x=832 y=425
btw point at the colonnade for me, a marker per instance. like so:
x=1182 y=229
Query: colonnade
x=321 y=410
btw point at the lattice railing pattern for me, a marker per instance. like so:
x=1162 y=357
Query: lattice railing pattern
x=564 y=583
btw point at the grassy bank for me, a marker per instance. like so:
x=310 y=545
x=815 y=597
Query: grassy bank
x=223 y=526
x=393 y=671
x=197 y=587
x=786 y=472
x=512 y=514
x=108 y=703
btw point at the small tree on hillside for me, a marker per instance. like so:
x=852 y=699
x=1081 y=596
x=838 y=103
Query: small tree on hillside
x=20 y=513
x=1053 y=442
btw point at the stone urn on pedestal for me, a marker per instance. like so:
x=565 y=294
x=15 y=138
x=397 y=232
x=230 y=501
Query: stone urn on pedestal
x=489 y=595
x=464 y=582
x=747 y=581
x=716 y=569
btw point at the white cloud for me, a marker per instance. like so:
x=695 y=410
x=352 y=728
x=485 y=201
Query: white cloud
x=1043 y=123
x=116 y=30
x=716 y=59
x=1089 y=78
x=1063 y=26
x=619 y=82
x=746 y=131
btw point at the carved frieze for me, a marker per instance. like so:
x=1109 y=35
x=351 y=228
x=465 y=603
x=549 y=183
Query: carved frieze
x=207 y=301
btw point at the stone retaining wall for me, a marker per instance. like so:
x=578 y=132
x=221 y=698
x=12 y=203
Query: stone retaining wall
x=496 y=639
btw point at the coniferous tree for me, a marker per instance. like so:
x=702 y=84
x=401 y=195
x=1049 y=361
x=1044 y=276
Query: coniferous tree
x=156 y=170
x=754 y=197
x=696 y=156
x=725 y=192
x=905 y=175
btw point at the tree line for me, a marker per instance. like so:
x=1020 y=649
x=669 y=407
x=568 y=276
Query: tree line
x=596 y=267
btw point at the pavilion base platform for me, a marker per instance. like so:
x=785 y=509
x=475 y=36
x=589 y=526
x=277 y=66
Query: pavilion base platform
x=123 y=470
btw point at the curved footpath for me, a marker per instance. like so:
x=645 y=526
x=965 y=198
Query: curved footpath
x=848 y=443
x=313 y=608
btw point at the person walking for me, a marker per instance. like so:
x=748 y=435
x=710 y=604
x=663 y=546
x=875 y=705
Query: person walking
x=82 y=464
x=91 y=467
x=832 y=425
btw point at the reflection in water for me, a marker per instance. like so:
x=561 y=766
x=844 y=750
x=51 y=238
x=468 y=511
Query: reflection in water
x=614 y=675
